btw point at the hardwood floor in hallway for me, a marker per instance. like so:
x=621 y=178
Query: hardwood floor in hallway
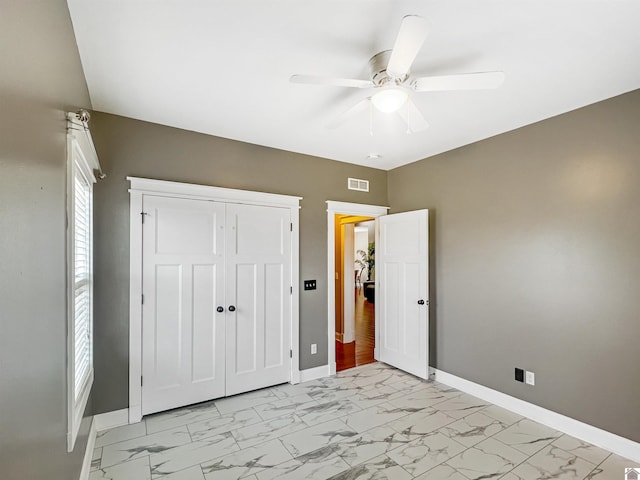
x=360 y=352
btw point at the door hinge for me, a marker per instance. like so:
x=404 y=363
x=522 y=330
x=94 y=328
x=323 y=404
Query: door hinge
x=142 y=299
x=290 y=353
x=142 y=215
x=291 y=226
x=291 y=290
x=141 y=381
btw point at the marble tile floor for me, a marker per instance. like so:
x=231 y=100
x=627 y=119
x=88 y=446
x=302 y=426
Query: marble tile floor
x=370 y=422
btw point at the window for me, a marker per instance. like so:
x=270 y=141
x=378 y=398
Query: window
x=80 y=279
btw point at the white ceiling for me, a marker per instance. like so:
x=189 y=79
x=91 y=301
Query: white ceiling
x=223 y=67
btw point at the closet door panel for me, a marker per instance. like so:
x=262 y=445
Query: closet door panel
x=274 y=348
x=258 y=282
x=204 y=329
x=244 y=325
x=183 y=281
x=167 y=326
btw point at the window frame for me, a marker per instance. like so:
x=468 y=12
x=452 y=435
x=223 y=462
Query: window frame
x=80 y=160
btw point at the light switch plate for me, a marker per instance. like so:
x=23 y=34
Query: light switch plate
x=519 y=375
x=530 y=378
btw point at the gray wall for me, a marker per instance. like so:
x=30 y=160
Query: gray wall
x=535 y=260
x=131 y=147
x=41 y=78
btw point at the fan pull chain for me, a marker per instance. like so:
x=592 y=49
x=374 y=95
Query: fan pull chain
x=370 y=118
x=408 y=119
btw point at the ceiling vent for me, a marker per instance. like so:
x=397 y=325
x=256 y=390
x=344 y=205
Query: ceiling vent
x=358 y=184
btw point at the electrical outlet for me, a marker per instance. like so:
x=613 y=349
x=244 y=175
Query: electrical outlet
x=530 y=378
x=314 y=349
x=519 y=377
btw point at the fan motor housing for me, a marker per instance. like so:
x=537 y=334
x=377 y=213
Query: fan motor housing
x=378 y=68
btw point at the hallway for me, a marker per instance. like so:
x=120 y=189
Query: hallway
x=360 y=352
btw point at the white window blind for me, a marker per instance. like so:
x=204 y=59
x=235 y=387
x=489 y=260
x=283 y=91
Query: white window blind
x=82 y=239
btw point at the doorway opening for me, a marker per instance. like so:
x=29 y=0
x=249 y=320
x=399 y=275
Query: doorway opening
x=358 y=213
x=354 y=290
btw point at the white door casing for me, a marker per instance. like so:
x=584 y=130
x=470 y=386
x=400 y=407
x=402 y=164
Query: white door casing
x=402 y=290
x=202 y=278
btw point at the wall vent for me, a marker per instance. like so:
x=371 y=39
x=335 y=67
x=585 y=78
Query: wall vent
x=358 y=184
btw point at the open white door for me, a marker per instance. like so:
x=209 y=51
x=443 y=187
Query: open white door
x=402 y=283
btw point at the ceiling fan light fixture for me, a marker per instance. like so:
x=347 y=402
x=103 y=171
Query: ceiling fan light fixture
x=389 y=100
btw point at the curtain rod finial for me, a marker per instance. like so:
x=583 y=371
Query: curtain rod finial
x=83 y=115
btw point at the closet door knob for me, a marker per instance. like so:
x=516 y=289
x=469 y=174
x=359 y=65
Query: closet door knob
x=420 y=302
x=232 y=308
x=220 y=309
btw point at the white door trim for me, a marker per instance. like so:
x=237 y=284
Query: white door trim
x=343 y=208
x=145 y=186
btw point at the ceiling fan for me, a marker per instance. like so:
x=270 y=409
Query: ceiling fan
x=392 y=82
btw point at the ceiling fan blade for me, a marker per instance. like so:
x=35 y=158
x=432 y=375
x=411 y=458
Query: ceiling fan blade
x=336 y=82
x=351 y=112
x=464 y=81
x=412 y=116
x=411 y=36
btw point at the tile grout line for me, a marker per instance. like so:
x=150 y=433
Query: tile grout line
x=453 y=420
x=335 y=445
x=598 y=466
x=502 y=443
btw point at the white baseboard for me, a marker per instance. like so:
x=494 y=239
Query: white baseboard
x=313 y=373
x=117 y=418
x=88 y=453
x=101 y=422
x=601 y=438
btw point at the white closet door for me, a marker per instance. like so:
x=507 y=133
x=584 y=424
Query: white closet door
x=258 y=282
x=183 y=336
x=402 y=282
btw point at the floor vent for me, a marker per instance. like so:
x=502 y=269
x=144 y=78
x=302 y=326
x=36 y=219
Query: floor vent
x=358 y=184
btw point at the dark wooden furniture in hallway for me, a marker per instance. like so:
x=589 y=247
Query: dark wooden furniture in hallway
x=360 y=352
